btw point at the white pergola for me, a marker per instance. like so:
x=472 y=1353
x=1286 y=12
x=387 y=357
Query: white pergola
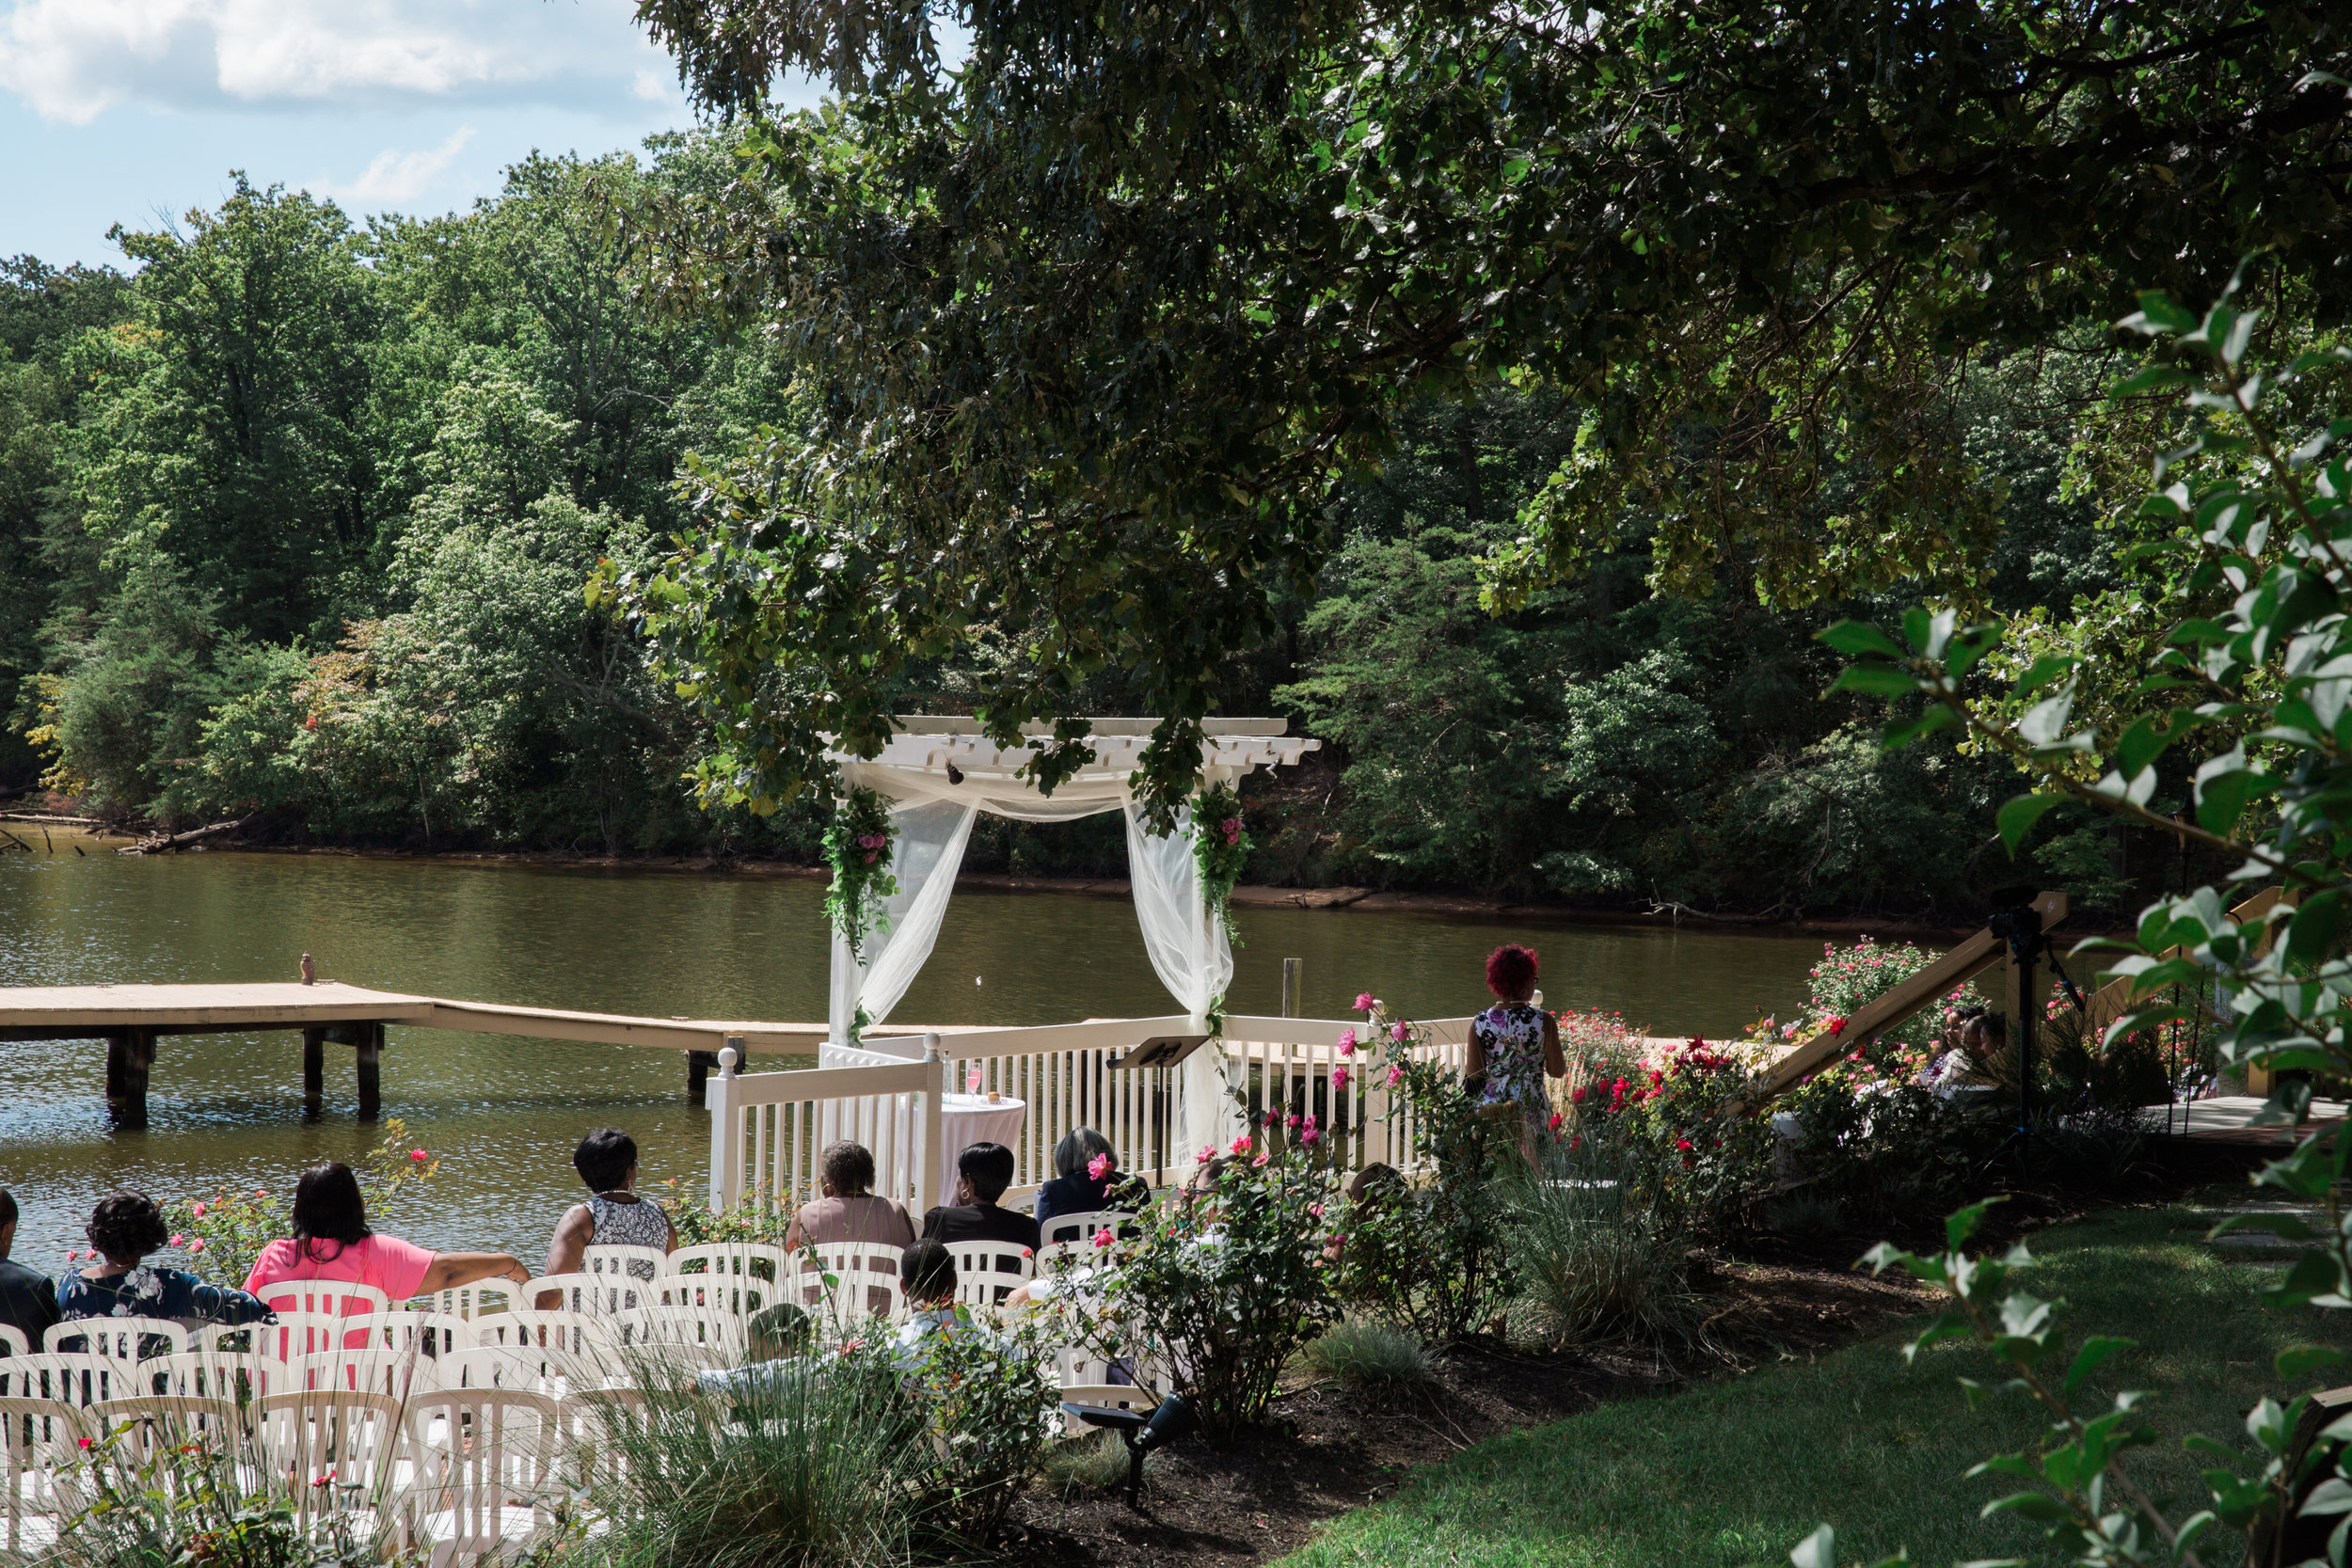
x=931 y=816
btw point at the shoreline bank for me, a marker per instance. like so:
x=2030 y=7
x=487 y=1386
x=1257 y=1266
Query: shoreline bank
x=1457 y=905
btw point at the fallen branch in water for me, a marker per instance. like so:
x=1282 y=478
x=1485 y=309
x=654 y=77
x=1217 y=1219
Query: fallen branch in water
x=162 y=842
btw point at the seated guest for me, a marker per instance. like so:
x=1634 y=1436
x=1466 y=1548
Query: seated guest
x=331 y=1242
x=984 y=1171
x=613 y=1216
x=124 y=1228
x=849 y=1212
x=28 y=1300
x=1087 y=1177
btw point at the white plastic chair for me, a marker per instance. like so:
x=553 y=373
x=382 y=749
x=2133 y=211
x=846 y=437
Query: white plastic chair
x=12 y=1340
x=464 y=1301
x=743 y=1276
x=342 y=1297
x=484 y=1367
x=159 y=1421
x=610 y=1280
x=298 y=1334
x=1075 y=1235
x=587 y=1424
x=866 y=1282
x=484 y=1469
x=389 y=1373
x=334 y=1447
x=236 y=1376
x=40 y=1444
x=988 y=1272
x=690 y=1336
x=116 y=1339
x=70 y=1377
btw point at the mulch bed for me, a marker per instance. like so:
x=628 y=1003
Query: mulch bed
x=1328 y=1449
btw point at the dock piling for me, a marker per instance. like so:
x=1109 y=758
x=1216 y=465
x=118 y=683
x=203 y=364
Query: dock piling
x=313 y=1071
x=130 y=1056
x=370 y=1052
x=698 y=1066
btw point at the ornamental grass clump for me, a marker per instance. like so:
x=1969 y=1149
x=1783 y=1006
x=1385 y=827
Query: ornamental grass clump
x=1604 y=1257
x=1363 y=1350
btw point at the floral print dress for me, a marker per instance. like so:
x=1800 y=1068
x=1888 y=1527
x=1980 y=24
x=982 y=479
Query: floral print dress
x=151 y=1292
x=1511 y=1034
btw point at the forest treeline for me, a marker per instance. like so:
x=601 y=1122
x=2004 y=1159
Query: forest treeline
x=296 y=510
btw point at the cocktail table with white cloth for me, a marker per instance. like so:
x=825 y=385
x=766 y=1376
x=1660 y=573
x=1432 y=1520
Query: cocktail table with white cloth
x=965 y=1119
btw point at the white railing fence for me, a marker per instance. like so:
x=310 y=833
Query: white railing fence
x=768 y=1128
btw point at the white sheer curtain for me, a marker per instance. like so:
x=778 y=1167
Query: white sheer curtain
x=927 y=847
x=1190 y=953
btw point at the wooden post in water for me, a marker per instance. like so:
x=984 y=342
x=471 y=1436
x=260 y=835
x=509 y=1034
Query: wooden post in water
x=313 y=1071
x=1290 y=988
x=698 y=1066
x=370 y=1063
x=130 y=1052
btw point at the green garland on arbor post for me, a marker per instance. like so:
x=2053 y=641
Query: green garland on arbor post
x=858 y=847
x=1220 y=848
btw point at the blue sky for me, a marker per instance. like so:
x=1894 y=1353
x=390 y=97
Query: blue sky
x=124 y=110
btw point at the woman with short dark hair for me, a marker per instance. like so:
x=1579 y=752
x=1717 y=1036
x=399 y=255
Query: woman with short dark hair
x=615 y=1214
x=332 y=1242
x=123 y=1229
x=848 y=1211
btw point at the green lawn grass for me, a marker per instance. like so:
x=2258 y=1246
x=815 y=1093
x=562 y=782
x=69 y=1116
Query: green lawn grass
x=1736 y=1472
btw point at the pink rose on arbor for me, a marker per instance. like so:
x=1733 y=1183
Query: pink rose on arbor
x=1363 y=1001
x=1098 y=1167
x=1347 y=1043
x=1232 y=831
x=1399 y=1033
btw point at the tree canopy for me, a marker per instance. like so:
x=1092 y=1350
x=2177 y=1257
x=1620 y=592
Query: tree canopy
x=1097 y=323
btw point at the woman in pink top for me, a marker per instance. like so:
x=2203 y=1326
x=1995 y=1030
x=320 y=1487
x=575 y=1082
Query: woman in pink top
x=849 y=1212
x=332 y=1242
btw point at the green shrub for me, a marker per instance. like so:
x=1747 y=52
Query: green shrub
x=1363 y=1350
x=1215 y=1293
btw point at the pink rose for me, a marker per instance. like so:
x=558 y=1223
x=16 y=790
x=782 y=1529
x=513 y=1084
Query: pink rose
x=1347 y=1043
x=197 y=1245
x=1293 y=1119
x=1399 y=1033
x=1310 y=1118
x=1260 y=1161
x=1315 y=1209
x=1241 y=1144
x=1339 y=1077
x=1363 y=1001
x=1103 y=1238
x=1098 y=1167
x=260 y=1193
x=175 y=1240
x=1203 y=1158
x=1396 y=1075
x=418 y=1154
x=198 y=1211
x=1311 y=1137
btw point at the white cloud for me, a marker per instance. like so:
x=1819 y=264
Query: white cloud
x=396 y=179
x=71 y=60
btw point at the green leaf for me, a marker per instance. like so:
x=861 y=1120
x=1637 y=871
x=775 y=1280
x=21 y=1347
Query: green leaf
x=2302 y=1360
x=2041 y=1509
x=2094 y=1350
x=2016 y=817
x=2149 y=378
x=1875 y=680
x=2044 y=670
x=1860 y=640
x=2313 y=931
x=2157 y=313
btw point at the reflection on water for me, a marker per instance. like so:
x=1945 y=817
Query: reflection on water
x=504 y=1113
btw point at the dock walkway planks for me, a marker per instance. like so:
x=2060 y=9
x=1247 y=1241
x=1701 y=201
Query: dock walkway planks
x=129 y=1018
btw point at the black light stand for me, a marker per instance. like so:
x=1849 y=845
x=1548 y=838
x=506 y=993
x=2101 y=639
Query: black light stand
x=2020 y=927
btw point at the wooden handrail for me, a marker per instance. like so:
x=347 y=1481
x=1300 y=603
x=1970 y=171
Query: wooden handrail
x=1962 y=964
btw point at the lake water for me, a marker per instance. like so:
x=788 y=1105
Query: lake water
x=504 y=1113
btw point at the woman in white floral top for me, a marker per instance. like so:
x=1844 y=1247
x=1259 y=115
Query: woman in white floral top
x=1515 y=1045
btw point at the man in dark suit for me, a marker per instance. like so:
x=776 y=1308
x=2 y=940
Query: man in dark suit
x=983 y=1173
x=28 y=1301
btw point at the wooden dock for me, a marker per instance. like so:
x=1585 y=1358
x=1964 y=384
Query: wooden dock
x=131 y=1019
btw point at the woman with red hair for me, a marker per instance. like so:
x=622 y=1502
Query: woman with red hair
x=1514 y=1044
